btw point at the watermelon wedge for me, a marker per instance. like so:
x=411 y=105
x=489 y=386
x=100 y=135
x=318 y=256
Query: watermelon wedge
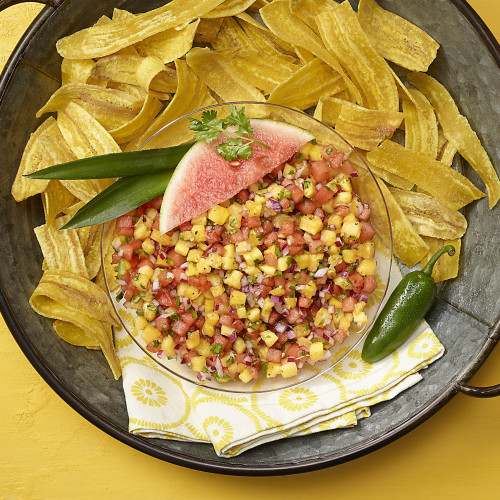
x=203 y=178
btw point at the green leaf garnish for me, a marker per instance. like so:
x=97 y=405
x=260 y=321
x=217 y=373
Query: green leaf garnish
x=239 y=145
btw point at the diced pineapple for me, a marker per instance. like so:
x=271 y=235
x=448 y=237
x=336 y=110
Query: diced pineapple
x=228 y=263
x=312 y=224
x=304 y=342
x=234 y=222
x=345 y=323
x=199 y=233
x=269 y=270
x=344 y=182
x=252 y=256
x=214 y=260
x=269 y=337
x=289 y=171
x=254 y=238
x=273 y=370
x=193 y=339
x=209 y=305
x=192 y=270
x=254 y=208
x=366 y=250
x=242 y=247
x=314 y=261
x=218 y=214
x=203 y=348
x=202 y=266
x=284 y=263
x=316 y=351
x=288 y=370
x=192 y=292
x=149 y=334
x=315 y=153
x=141 y=231
x=343 y=198
x=245 y=376
x=194 y=255
x=335 y=302
x=140 y=323
x=141 y=281
x=309 y=187
x=254 y=315
x=165 y=239
x=198 y=363
x=290 y=302
x=343 y=283
x=239 y=345
x=149 y=311
x=168 y=346
x=241 y=312
x=227 y=331
x=229 y=250
x=335 y=220
x=208 y=330
x=182 y=247
x=251 y=271
x=366 y=267
x=309 y=290
x=279 y=291
x=148 y=245
x=351 y=228
x=146 y=271
x=233 y=279
x=349 y=255
x=200 y=219
x=262 y=351
x=328 y=237
x=237 y=299
x=303 y=260
x=211 y=318
x=322 y=318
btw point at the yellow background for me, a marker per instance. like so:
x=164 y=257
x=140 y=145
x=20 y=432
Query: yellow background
x=48 y=451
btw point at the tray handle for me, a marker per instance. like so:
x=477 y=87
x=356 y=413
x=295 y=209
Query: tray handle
x=50 y=3
x=479 y=392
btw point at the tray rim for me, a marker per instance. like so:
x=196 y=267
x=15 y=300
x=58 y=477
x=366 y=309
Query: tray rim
x=146 y=445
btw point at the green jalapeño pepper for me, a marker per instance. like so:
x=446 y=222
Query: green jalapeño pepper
x=403 y=311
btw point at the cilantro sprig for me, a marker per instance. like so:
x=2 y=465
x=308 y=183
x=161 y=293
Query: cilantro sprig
x=239 y=145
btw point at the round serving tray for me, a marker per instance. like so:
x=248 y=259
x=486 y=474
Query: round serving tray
x=466 y=316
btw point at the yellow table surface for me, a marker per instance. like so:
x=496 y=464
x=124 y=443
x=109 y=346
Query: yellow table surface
x=48 y=451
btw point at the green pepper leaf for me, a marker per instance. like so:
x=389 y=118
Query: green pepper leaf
x=121 y=197
x=116 y=164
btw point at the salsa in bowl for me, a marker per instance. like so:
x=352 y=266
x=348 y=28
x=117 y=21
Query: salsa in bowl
x=267 y=288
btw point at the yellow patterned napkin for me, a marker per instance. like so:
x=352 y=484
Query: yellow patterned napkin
x=161 y=405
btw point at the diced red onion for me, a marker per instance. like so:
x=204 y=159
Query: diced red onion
x=320 y=272
x=344 y=273
x=177 y=347
x=170 y=275
x=155 y=287
x=162 y=256
x=338 y=242
x=331 y=309
x=152 y=258
x=249 y=346
x=275 y=299
x=159 y=353
x=290 y=334
x=250 y=300
x=155 y=302
x=290 y=360
x=200 y=376
x=210 y=249
x=285 y=312
x=354 y=174
x=218 y=367
x=120 y=253
x=363 y=297
x=121 y=282
x=275 y=205
x=184 y=265
x=233 y=337
x=285 y=251
x=247 y=360
x=319 y=212
x=326 y=337
x=330 y=288
x=245 y=289
x=280 y=327
x=244 y=281
x=116 y=245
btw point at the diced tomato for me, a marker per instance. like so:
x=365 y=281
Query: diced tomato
x=285 y=203
x=273 y=355
x=165 y=299
x=270 y=239
x=278 y=169
x=127 y=251
x=177 y=259
x=201 y=282
x=287 y=227
x=279 y=281
x=238 y=237
x=220 y=339
x=213 y=235
x=348 y=304
x=294 y=351
x=238 y=325
x=294 y=315
x=250 y=222
x=268 y=281
x=243 y=195
x=252 y=335
x=156 y=223
x=316 y=246
x=369 y=285
x=365 y=214
x=271 y=260
x=268 y=226
x=162 y=278
x=189 y=356
x=297 y=240
x=199 y=322
x=321 y=171
x=297 y=193
x=163 y=324
x=323 y=195
x=367 y=231
x=185 y=226
x=262 y=291
x=357 y=281
x=273 y=317
x=116 y=258
x=225 y=319
x=188 y=318
x=128 y=232
x=125 y=221
x=128 y=294
x=347 y=168
x=340 y=336
x=337 y=291
x=294 y=250
x=153 y=346
x=156 y=202
x=145 y=262
x=304 y=302
x=180 y=328
x=342 y=210
x=177 y=272
x=307 y=207
x=221 y=299
x=340 y=267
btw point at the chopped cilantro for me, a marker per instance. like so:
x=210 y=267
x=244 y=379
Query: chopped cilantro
x=216 y=348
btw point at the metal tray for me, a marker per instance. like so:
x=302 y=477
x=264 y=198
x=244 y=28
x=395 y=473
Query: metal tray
x=466 y=316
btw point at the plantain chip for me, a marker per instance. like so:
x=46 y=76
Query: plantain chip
x=76 y=70
x=139 y=123
x=207 y=30
x=84 y=134
x=458 y=131
x=228 y=8
x=61 y=249
x=99 y=41
x=429 y=216
x=215 y=70
x=304 y=55
x=395 y=38
x=111 y=108
x=366 y=128
x=307 y=10
x=75 y=335
x=169 y=45
x=280 y=20
x=389 y=177
x=328 y=110
x=257 y=5
x=34 y=158
x=439 y=180
x=55 y=199
x=232 y=36
x=120 y=15
x=193 y=94
x=263 y=73
x=342 y=34
x=446 y=267
x=421 y=130
x=446 y=150
x=304 y=88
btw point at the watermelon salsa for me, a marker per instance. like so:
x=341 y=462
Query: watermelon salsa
x=261 y=283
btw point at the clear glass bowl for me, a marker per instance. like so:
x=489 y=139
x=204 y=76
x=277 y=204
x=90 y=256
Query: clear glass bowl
x=177 y=132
